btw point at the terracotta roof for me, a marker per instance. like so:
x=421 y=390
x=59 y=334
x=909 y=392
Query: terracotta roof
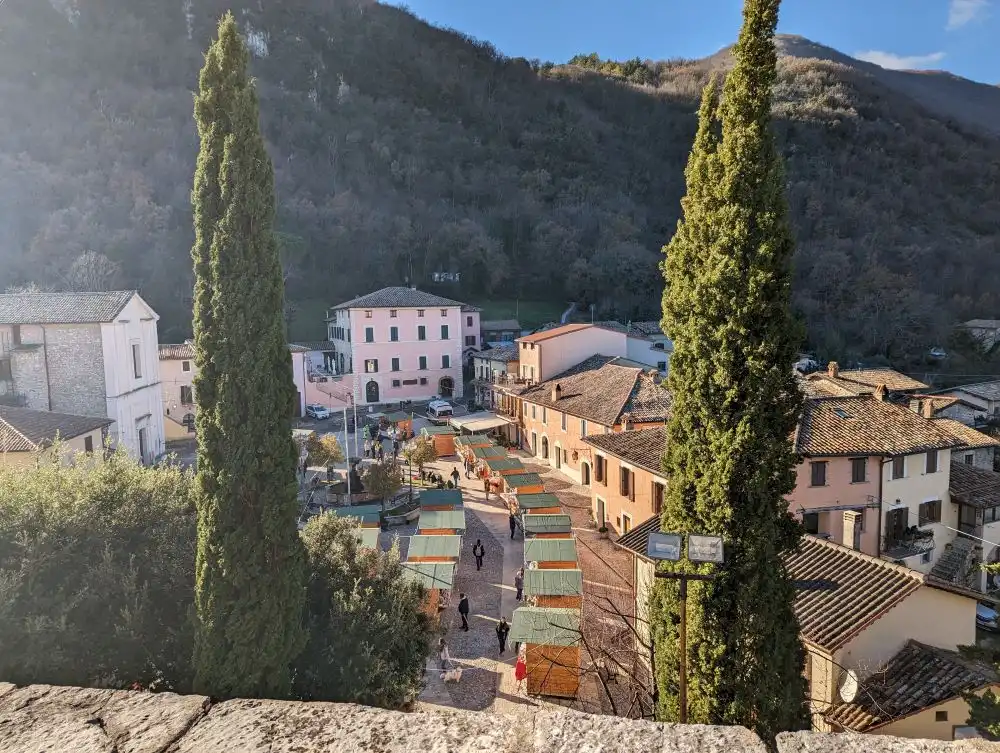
x=603 y=389
x=399 y=297
x=312 y=345
x=26 y=430
x=968 y=436
x=468 y=308
x=937 y=402
x=864 y=381
x=554 y=332
x=641 y=447
x=982 y=390
x=635 y=540
x=819 y=387
x=497 y=325
x=867 y=588
x=505 y=353
x=177 y=351
x=62 y=308
x=918 y=677
x=647 y=328
x=866 y=426
x=973 y=486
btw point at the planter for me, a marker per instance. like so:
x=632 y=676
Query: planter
x=603 y=531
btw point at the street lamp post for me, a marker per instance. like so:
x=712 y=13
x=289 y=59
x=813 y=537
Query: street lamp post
x=666 y=547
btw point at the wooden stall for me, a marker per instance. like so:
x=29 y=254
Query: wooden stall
x=472 y=441
x=524 y=483
x=548 y=526
x=537 y=504
x=551 y=554
x=554 y=588
x=369 y=514
x=485 y=453
x=368 y=537
x=403 y=421
x=442 y=522
x=443 y=438
x=437 y=548
x=504 y=466
x=440 y=499
x=438 y=578
x=551 y=637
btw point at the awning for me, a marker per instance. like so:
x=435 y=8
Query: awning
x=550 y=550
x=440 y=497
x=431 y=574
x=545 y=626
x=434 y=546
x=534 y=524
x=431 y=520
x=368 y=537
x=477 y=422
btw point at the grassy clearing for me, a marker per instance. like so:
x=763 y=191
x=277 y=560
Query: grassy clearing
x=530 y=314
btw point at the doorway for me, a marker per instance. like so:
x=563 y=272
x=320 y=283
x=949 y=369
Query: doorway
x=585 y=474
x=558 y=457
x=371 y=392
x=545 y=448
x=446 y=387
x=534 y=444
x=600 y=513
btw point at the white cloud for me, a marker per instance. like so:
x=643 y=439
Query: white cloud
x=962 y=12
x=899 y=62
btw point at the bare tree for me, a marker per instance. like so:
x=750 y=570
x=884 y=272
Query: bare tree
x=92 y=271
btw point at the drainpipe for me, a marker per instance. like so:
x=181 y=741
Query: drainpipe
x=878 y=518
x=45 y=358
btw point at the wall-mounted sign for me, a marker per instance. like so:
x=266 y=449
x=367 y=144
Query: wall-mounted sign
x=663 y=546
x=705 y=548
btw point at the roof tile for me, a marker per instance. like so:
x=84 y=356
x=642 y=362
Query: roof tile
x=968 y=436
x=973 y=486
x=399 y=297
x=26 y=430
x=643 y=447
x=62 y=308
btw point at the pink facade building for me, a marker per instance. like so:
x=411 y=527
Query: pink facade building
x=402 y=344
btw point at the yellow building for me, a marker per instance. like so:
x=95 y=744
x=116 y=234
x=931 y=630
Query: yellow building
x=24 y=433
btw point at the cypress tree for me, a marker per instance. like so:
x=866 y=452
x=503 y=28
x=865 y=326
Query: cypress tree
x=250 y=562
x=729 y=458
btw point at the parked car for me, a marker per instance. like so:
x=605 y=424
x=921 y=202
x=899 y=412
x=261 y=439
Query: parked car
x=937 y=354
x=319 y=412
x=439 y=411
x=987 y=617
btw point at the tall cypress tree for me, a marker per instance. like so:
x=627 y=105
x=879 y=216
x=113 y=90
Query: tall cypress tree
x=729 y=458
x=250 y=564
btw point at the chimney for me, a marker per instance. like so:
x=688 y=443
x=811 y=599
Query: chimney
x=927 y=406
x=556 y=393
x=626 y=422
x=850 y=520
x=832 y=369
x=880 y=392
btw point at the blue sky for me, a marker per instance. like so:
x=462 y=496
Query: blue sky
x=960 y=36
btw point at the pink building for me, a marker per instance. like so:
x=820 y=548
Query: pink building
x=402 y=344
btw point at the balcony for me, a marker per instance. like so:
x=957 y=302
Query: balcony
x=910 y=543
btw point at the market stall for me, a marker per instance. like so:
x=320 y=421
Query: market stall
x=551 y=637
x=537 y=504
x=437 y=548
x=524 y=483
x=547 y=526
x=440 y=499
x=442 y=522
x=551 y=554
x=443 y=438
x=554 y=588
x=438 y=578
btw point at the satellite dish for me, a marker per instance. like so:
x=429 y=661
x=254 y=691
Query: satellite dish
x=849 y=686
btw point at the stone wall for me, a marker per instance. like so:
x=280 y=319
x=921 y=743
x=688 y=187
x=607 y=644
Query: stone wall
x=46 y=718
x=76 y=369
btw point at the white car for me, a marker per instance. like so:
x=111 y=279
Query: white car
x=987 y=618
x=319 y=412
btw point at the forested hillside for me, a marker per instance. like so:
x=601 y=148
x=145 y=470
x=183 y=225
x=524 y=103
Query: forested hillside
x=401 y=149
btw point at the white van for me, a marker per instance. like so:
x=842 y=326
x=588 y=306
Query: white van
x=439 y=411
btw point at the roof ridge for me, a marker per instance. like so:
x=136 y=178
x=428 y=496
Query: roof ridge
x=886 y=564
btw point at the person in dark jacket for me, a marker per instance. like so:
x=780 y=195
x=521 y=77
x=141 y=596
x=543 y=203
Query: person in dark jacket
x=463 y=610
x=455 y=475
x=502 y=630
x=479 y=551
x=519 y=583
x=513 y=526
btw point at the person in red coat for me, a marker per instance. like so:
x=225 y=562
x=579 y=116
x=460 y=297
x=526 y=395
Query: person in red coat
x=520 y=671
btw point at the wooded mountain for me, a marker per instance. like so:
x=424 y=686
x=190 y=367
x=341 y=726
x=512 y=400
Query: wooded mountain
x=401 y=149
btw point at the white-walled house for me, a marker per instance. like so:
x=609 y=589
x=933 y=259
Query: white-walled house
x=89 y=354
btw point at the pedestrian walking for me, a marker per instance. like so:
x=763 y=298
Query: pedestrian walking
x=502 y=630
x=520 y=672
x=395 y=448
x=381 y=451
x=479 y=551
x=443 y=656
x=368 y=448
x=305 y=468
x=455 y=476
x=519 y=583
x=513 y=526
x=467 y=466
x=486 y=487
x=463 y=610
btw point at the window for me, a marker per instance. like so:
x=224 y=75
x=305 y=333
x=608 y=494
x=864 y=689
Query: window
x=932 y=462
x=395 y=364
x=444 y=331
x=137 y=360
x=898 y=467
x=810 y=521
x=940 y=716
x=371 y=366
x=393 y=313
x=396 y=383
x=368 y=314
x=601 y=469
x=627 y=487
x=444 y=312
x=423 y=380
x=186 y=396
x=859 y=470
x=423 y=363
x=369 y=334
x=421 y=332
x=445 y=361
x=661 y=365
x=532 y=411
x=929 y=512
x=817 y=470
x=88 y=444
x=470 y=339
x=658 y=493
x=420 y=313
x=468 y=321
x=545 y=415
x=970 y=458
x=861 y=520
x=562 y=422
x=185 y=366
x=583 y=427
x=15 y=333
x=626 y=523
x=394 y=334
x=532 y=372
